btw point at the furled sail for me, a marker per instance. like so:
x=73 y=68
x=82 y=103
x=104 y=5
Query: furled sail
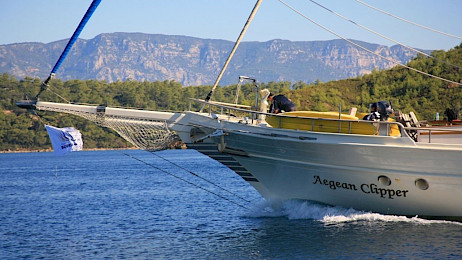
x=71 y=42
x=64 y=140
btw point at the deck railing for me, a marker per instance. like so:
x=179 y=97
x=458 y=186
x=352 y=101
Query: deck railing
x=255 y=117
x=433 y=132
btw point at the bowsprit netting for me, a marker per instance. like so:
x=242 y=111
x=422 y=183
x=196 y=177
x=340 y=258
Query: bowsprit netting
x=148 y=135
x=145 y=133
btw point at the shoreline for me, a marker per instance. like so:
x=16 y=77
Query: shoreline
x=87 y=149
x=51 y=150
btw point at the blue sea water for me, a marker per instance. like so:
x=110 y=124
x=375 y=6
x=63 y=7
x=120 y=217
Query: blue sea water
x=105 y=204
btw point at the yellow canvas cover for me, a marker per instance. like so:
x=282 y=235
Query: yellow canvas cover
x=316 y=121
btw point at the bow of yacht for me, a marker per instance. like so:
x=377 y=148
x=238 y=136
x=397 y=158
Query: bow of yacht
x=383 y=171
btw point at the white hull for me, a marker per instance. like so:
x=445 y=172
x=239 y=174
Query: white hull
x=348 y=175
x=344 y=170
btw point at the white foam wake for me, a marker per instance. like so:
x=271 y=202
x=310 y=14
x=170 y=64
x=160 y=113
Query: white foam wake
x=295 y=209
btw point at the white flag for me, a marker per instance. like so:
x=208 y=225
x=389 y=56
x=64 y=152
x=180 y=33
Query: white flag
x=65 y=140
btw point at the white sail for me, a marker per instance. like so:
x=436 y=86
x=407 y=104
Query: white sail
x=65 y=140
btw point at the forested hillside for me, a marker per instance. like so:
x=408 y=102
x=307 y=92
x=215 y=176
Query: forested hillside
x=407 y=90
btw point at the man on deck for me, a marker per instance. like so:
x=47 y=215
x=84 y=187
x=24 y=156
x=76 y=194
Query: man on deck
x=280 y=103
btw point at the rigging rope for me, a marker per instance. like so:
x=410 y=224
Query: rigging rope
x=182 y=179
x=381 y=35
x=236 y=44
x=367 y=50
x=407 y=21
x=148 y=135
x=198 y=176
x=50 y=89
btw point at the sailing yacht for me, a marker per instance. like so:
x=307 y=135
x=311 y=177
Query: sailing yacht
x=330 y=158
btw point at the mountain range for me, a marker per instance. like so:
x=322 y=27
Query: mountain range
x=194 y=61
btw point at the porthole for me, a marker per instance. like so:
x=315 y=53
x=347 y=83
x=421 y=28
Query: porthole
x=421 y=184
x=384 y=180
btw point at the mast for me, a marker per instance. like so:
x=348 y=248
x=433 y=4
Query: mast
x=236 y=45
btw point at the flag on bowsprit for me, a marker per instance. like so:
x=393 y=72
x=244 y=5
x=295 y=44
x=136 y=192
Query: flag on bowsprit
x=65 y=140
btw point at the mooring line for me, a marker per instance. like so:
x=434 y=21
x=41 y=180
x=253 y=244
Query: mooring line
x=200 y=177
x=175 y=176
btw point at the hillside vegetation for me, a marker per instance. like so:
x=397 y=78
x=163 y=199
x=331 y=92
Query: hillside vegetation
x=407 y=90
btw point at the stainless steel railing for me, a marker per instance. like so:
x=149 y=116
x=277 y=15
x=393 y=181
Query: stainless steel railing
x=434 y=131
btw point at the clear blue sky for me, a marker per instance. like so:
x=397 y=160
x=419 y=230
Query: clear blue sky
x=51 y=20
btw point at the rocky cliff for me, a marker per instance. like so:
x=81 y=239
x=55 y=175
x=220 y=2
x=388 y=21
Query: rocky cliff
x=194 y=61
